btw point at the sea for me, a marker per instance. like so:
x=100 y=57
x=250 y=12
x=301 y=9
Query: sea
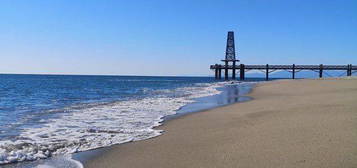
x=45 y=119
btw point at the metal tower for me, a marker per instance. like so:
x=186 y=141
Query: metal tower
x=230 y=55
x=230 y=48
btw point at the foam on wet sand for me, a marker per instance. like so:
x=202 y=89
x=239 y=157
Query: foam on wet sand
x=89 y=126
x=300 y=123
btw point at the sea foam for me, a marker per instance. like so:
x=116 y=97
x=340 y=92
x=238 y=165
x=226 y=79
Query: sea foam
x=85 y=127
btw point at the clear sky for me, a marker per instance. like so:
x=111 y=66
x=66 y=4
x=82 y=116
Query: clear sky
x=167 y=37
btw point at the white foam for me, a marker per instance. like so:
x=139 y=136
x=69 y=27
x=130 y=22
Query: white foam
x=80 y=129
x=65 y=161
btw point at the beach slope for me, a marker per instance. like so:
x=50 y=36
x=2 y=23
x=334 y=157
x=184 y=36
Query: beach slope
x=290 y=123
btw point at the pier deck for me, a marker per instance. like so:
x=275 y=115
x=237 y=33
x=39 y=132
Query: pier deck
x=350 y=69
x=230 y=63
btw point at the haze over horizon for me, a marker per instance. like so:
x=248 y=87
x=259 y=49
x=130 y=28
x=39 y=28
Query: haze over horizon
x=115 y=37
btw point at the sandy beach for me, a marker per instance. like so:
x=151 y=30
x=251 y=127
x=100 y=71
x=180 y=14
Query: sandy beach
x=290 y=123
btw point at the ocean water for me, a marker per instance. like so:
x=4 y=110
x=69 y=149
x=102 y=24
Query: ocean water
x=56 y=115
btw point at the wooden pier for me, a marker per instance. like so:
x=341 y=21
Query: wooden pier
x=242 y=68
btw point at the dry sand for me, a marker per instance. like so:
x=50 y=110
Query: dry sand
x=299 y=123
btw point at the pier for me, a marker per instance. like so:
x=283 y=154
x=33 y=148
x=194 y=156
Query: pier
x=230 y=64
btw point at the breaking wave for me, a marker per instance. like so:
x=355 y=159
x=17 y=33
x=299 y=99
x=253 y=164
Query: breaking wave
x=88 y=126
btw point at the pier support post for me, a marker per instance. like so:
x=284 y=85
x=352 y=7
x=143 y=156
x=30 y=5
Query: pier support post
x=226 y=70
x=350 y=69
x=219 y=72
x=242 y=71
x=267 y=72
x=321 y=70
x=293 y=71
x=234 y=70
x=216 y=72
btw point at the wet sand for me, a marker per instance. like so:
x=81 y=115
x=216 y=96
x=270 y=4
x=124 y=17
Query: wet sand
x=290 y=123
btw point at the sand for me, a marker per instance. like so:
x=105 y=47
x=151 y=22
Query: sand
x=290 y=123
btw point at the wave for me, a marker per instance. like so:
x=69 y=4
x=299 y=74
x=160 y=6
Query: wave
x=87 y=127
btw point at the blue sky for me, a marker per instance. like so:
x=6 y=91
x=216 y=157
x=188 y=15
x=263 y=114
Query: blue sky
x=166 y=37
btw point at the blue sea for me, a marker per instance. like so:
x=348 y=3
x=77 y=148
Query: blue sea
x=45 y=116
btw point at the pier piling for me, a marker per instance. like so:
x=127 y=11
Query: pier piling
x=216 y=73
x=349 y=69
x=267 y=72
x=321 y=70
x=293 y=71
x=242 y=71
x=226 y=70
x=234 y=70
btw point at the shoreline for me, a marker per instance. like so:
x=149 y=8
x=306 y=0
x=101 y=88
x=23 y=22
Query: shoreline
x=85 y=156
x=229 y=93
x=172 y=147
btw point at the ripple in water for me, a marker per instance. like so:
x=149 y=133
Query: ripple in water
x=86 y=126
